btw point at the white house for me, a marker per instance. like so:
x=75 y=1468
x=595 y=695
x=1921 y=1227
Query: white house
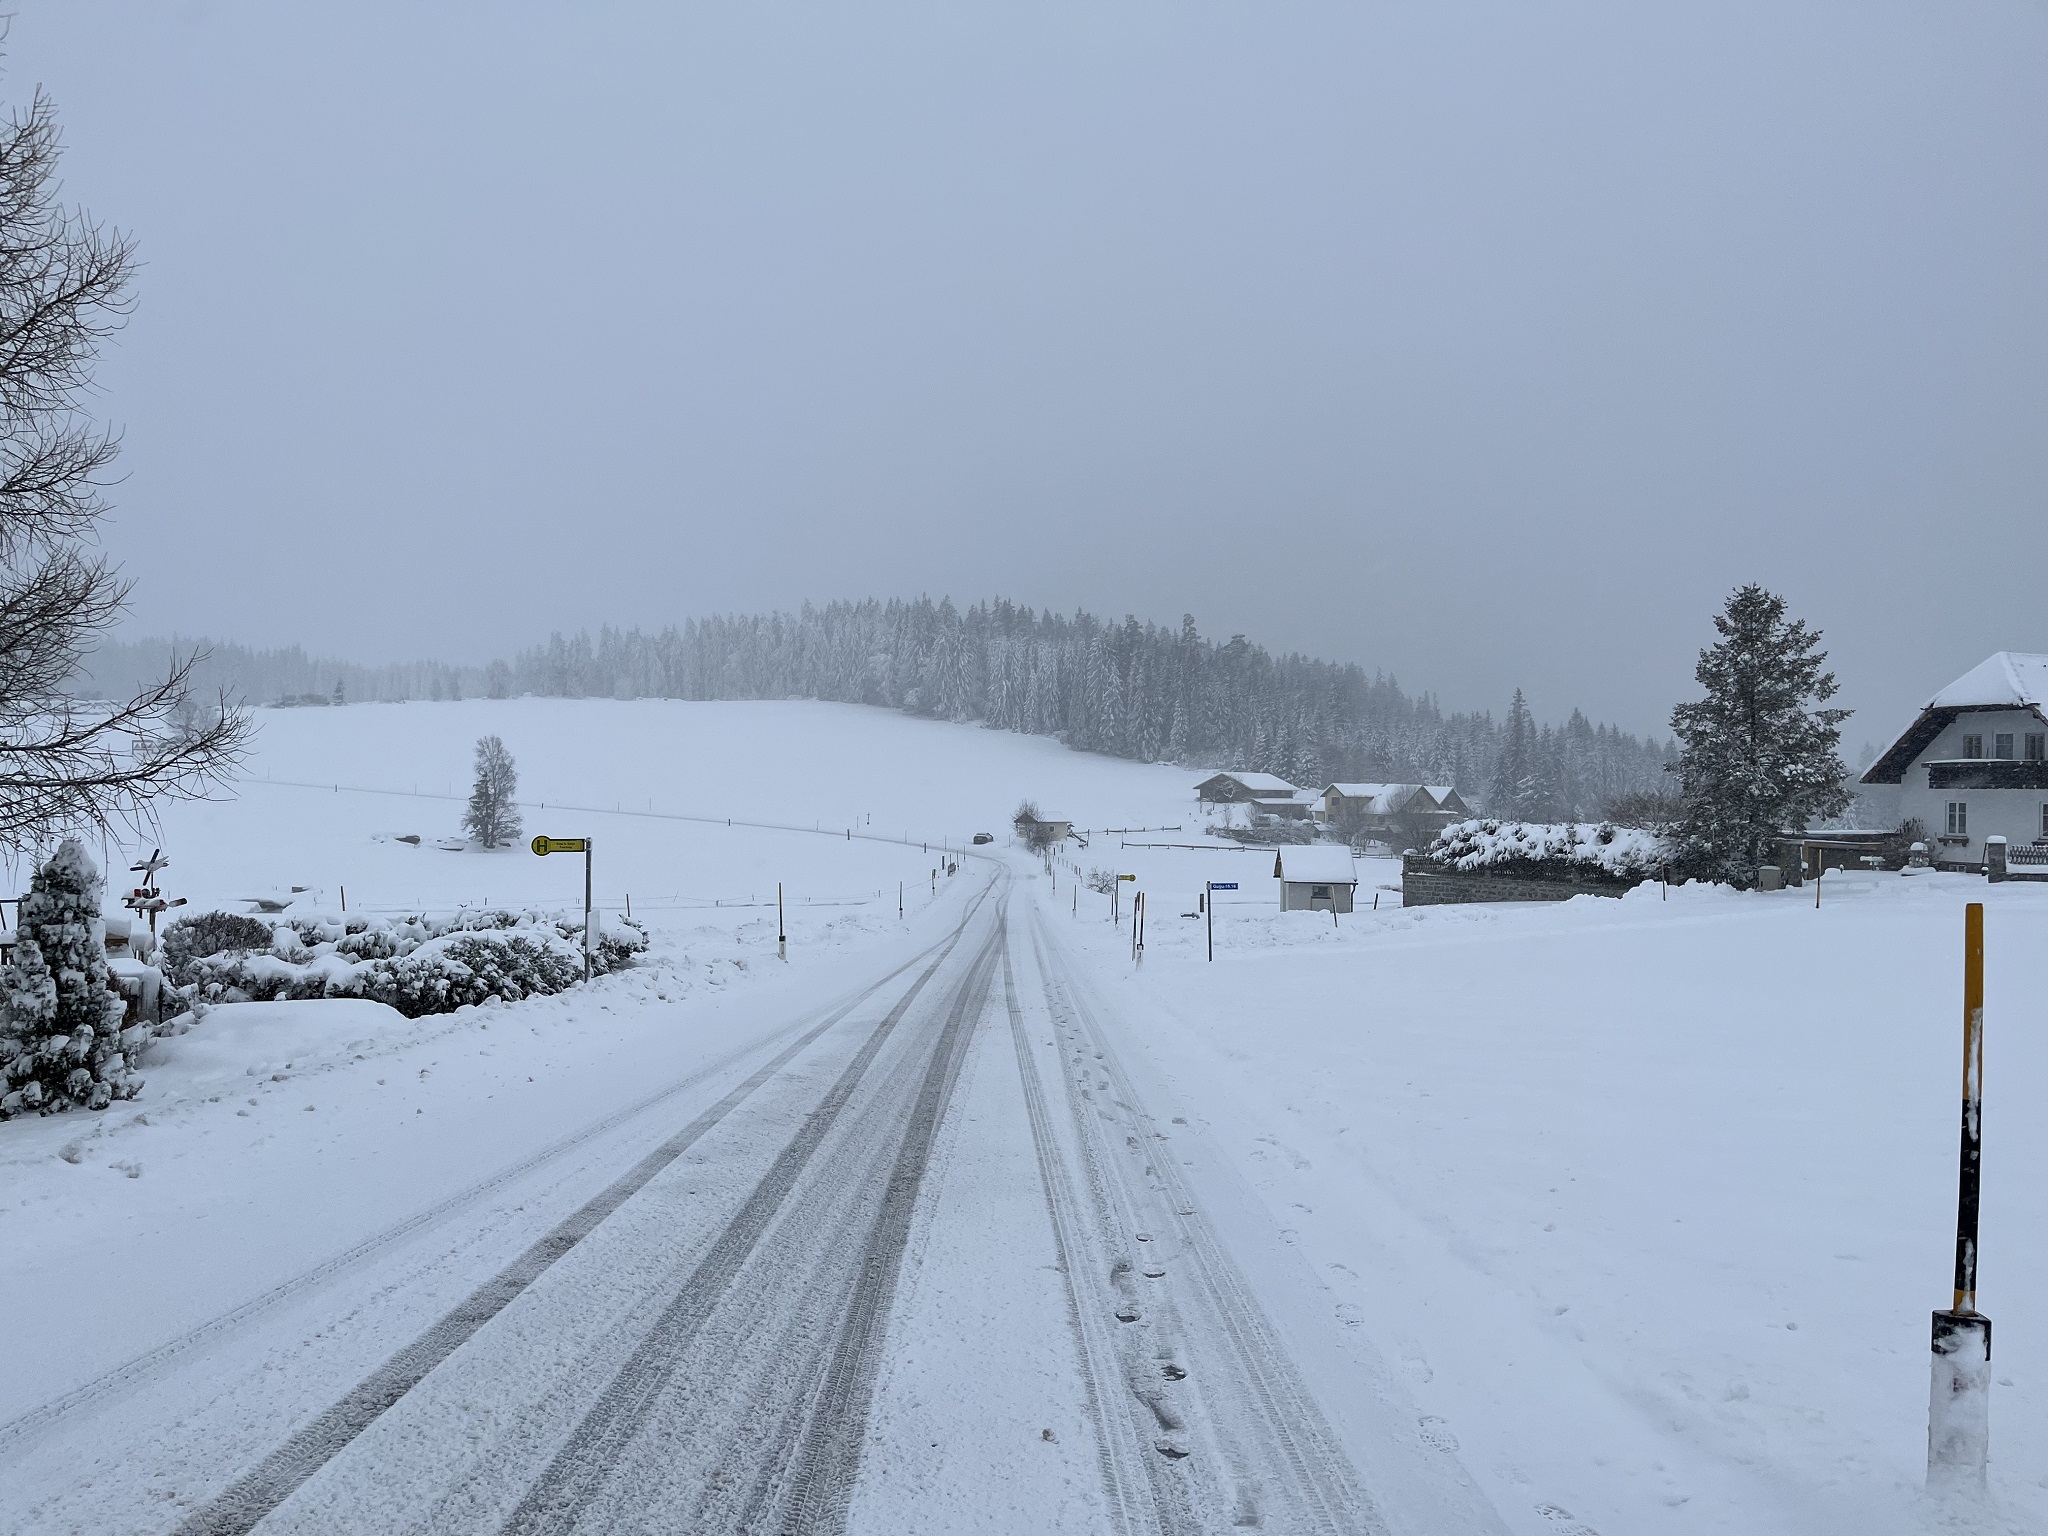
x=1975 y=764
x=1315 y=877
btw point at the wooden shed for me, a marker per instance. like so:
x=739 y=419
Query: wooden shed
x=1315 y=877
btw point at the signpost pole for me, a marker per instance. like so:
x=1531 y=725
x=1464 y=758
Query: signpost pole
x=589 y=846
x=782 y=929
x=1209 y=893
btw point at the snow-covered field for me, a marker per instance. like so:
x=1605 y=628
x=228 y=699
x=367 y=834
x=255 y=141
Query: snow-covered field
x=1634 y=1210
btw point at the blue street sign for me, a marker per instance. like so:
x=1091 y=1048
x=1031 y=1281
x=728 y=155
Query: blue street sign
x=1222 y=885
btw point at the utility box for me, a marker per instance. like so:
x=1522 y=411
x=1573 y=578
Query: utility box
x=1770 y=878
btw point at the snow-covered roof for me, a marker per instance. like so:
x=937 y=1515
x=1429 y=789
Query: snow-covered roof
x=1258 y=783
x=1442 y=792
x=1386 y=798
x=2011 y=678
x=2008 y=680
x=1321 y=863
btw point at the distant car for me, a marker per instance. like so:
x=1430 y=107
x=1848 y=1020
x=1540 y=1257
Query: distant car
x=983 y=837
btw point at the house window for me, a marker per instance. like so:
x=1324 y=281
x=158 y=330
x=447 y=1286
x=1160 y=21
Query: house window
x=2044 y=821
x=1973 y=746
x=1959 y=818
x=2037 y=746
x=2001 y=746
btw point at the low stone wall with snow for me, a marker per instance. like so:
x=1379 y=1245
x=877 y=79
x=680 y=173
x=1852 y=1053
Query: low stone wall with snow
x=1426 y=883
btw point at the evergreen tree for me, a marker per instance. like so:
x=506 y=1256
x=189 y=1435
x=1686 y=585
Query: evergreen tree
x=492 y=819
x=61 y=1038
x=1512 y=768
x=1756 y=759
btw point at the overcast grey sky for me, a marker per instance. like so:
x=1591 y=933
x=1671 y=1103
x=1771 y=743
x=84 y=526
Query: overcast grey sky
x=1491 y=345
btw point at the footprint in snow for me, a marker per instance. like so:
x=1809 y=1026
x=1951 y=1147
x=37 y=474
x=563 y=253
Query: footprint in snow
x=1437 y=1434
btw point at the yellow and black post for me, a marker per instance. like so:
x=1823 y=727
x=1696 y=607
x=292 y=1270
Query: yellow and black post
x=1959 y=1396
x=583 y=845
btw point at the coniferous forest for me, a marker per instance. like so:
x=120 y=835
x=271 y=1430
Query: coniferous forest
x=1136 y=690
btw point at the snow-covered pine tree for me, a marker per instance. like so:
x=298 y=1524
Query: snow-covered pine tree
x=1512 y=768
x=28 y=1005
x=1756 y=760
x=63 y=1022
x=492 y=819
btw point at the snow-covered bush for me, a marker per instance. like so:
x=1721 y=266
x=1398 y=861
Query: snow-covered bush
x=212 y=933
x=61 y=1041
x=419 y=965
x=1546 y=850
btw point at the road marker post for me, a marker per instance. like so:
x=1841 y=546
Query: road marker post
x=585 y=846
x=782 y=928
x=1959 y=1391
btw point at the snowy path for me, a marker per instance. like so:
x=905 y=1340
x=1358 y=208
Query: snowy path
x=921 y=1269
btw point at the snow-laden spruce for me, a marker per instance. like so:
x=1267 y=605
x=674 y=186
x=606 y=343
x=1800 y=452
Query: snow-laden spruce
x=492 y=818
x=417 y=965
x=61 y=1040
x=1551 y=849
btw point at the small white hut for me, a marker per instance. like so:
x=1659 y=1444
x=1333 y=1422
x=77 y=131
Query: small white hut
x=1315 y=877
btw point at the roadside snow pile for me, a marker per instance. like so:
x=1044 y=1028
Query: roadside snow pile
x=417 y=965
x=1549 y=850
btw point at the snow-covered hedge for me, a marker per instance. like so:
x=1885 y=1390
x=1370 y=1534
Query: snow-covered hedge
x=1550 y=851
x=418 y=965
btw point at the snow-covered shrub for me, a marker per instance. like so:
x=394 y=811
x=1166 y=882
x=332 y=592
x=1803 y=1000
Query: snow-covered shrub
x=61 y=1040
x=419 y=965
x=1550 y=851
x=212 y=933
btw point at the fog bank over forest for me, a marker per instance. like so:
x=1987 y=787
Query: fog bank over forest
x=1133 y=689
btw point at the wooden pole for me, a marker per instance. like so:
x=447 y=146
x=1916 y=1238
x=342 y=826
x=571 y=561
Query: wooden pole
x=781 y=929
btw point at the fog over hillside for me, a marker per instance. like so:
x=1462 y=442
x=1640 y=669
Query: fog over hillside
x=1137 y=690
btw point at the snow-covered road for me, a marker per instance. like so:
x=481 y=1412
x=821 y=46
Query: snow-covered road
x=922 y=1261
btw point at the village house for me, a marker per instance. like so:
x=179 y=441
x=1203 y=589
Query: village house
x=1241 y=788
x=1974 y=765
x=1379 y=812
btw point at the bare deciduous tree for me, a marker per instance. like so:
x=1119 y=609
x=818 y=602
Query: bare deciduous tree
x=66 y=763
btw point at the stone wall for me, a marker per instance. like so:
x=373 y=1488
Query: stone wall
x=1426 y=883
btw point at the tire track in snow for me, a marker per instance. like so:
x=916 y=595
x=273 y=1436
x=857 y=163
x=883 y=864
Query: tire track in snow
x=1126 y=1479
x=1284 y=1455
x=238 y=1508
x=827 y=1461
x=579 y=1472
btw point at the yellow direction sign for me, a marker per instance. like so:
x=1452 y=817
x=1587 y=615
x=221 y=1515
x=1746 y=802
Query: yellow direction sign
x=561 y=845
x=1127 y=877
